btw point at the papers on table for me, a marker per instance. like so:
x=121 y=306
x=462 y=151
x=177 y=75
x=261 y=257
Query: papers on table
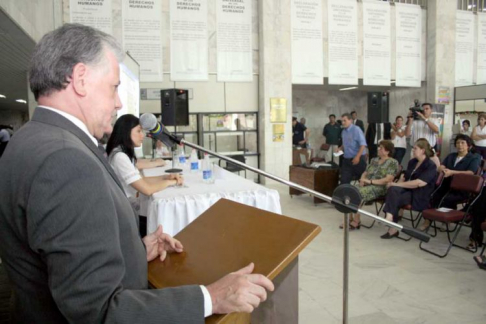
x=444 y=210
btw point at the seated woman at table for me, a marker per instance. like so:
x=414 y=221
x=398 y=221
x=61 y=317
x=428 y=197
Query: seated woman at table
x=372 y=184
x=128 y=134
x=462 y=161
x=414 y=187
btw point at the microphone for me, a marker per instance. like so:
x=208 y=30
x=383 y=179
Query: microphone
x=158 y=131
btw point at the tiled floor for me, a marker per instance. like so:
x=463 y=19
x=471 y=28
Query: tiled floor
x=391 y=281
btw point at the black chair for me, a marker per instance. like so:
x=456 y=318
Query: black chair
x=233 y=167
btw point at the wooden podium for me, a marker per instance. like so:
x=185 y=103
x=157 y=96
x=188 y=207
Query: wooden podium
x=227 y=237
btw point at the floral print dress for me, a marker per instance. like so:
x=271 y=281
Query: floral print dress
x=377 y=171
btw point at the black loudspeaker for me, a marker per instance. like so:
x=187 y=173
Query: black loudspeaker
x=378 y=107
x=175 y=107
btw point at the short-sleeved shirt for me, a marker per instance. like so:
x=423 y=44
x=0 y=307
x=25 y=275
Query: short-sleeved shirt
x=125 y=170
x=298 y=131
x=400 y=142
x=420 y=129
x=332 y=133
x=427 y=172
x=353 y=139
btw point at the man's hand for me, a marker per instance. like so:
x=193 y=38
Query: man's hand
x=159 y=243
x=239 y=291
x=362 y=182
x=355 y=160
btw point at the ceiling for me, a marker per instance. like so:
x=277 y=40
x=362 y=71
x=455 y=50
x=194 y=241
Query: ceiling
x=15 y=50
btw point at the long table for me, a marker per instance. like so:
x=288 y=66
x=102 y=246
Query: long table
x=177 y=207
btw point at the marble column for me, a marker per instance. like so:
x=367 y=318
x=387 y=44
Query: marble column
x=274 y=82
x=441 y=28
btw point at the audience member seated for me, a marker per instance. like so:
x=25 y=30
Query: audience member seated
x=414 y=187
x=128 y=134
x=478 y=217
x=372 y=183
x=463 y=161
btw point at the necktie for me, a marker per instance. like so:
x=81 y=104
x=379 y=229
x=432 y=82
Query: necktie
x=102 y=149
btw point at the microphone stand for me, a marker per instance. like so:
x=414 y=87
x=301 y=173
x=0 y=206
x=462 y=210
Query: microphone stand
x=346 y=199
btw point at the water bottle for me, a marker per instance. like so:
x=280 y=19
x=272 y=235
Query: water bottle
x=194 y=161
x=207 y=170
x=182 y=157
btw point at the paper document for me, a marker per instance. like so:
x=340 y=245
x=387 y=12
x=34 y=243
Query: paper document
x=339 y=153
x=444 y=210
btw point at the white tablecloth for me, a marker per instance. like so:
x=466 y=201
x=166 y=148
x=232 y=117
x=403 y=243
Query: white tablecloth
x=175 y=208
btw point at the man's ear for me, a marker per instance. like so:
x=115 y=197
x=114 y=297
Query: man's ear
x=78 y=79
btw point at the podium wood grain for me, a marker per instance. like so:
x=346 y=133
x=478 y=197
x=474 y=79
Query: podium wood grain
x=227 y=237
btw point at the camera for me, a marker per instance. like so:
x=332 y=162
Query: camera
x=416 y=108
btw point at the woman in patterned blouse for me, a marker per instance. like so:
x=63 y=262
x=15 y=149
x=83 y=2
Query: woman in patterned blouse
x=372 y=183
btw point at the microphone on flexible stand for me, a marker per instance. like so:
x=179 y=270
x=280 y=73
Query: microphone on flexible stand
x=157 y=131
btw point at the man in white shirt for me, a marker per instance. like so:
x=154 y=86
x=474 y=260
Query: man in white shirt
x=423 y=127
x=68 y=235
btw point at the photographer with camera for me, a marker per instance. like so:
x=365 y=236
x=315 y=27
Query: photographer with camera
x=421 y=125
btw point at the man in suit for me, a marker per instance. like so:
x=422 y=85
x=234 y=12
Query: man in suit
x=68 y=235
x=375 y=133
x=356 y=121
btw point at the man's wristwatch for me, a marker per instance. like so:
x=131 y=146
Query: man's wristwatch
x=426 y=120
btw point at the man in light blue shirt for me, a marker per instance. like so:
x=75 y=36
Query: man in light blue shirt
x=354 y=144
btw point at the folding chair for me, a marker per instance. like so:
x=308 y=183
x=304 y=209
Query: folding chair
x=473 y=185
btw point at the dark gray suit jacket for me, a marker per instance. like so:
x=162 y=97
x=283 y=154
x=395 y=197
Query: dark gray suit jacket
x=69 y=238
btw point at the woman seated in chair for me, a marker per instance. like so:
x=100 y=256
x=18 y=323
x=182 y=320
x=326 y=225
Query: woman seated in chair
x=414 y=187
x=464 y=161
x=128 y=134
x=372 y=184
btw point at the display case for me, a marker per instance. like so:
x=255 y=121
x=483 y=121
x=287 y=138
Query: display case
x=233 y=133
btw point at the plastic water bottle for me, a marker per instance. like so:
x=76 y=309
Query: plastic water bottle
x=182 y=157
x=207 y=170
x=194 y=161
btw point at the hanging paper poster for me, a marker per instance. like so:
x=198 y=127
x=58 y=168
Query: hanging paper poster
x=189 y=40
x=93 y=13
x=343 y=41
x=306 y=40
x=464 y=48
x=408 y=45
x=376 y=43
x=235 y=55
x=141 y=26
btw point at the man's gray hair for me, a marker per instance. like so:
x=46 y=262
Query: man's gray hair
x=60 y=50
x=347 y=115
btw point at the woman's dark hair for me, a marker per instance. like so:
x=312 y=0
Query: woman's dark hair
x=466 y=122
x=464 y=137
x=425 y=145
x=121 y=136
x=388 y=146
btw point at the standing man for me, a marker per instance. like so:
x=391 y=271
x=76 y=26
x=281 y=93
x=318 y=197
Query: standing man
x=354 y=145
x=332 y=133
x=399 y=139
x=357 y=121
x=300 y=133
x=68 y=235
x=375 y=133
x=424 y=127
